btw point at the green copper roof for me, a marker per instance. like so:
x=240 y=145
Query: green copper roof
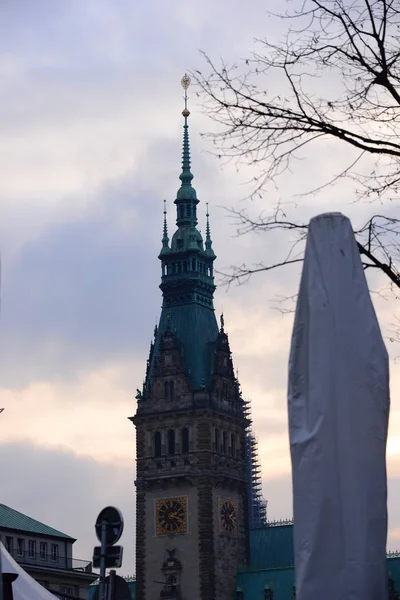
x=393 y=568
x=196 y=329
x=271 y=546
x=272 y=565
x=253 y=583
x=12 y=519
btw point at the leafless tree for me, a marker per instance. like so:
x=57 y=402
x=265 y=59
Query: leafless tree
x=340 y=61
x=377 y=240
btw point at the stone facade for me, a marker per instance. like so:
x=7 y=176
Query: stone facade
x=204 y=475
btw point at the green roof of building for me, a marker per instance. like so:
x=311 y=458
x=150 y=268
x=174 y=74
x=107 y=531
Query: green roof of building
x=253 y=582
x=393 y=568
x=272 y=565
x=196 y=328
x=271 y=547
x=12 y=519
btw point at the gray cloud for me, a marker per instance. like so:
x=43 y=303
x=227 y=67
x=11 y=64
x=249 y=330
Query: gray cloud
x=42 y=483
x=85 y=288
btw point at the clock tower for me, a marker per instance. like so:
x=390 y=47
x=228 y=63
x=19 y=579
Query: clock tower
x=191 y=487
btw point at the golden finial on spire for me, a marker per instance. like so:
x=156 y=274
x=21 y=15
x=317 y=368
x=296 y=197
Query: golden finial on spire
x=185 y=82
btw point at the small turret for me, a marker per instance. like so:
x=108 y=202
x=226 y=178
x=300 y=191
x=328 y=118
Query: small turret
x=165 y=238
x=208 y=243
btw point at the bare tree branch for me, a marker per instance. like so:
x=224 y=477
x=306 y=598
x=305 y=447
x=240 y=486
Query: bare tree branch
x=353 y=44
x=377 y=241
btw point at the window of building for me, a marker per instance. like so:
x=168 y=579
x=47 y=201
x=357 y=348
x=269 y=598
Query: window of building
x=54 y=552
x=43 y=550
x=169 y=390
x=224 y=442
x=171 y=441
x=233 y=445
x=157 y=444
x=216 y=440
x=171 y=583
x=185 y=440
x=9 y=544
x=20 y=547
x=67 y=592
x=32 y=549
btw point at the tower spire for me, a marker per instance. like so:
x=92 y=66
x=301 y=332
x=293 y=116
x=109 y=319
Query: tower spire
x=186 y=199
x=186 y=176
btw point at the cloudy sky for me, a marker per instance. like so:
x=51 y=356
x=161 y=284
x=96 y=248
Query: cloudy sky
x=90 y=146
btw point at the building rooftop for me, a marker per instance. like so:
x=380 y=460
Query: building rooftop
x=12 y=519
x=272 y=564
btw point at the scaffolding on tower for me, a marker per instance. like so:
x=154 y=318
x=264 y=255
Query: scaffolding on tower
x=256 y=503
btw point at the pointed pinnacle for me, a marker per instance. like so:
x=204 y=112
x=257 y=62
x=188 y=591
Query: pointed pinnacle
x=165 y=238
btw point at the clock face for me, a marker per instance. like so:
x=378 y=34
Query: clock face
x=228 y=515
x=171 y=515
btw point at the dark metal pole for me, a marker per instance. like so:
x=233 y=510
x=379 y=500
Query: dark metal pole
x=111 y=587
x=102 y=590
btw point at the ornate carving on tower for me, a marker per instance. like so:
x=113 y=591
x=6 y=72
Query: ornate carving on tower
x=171 y=570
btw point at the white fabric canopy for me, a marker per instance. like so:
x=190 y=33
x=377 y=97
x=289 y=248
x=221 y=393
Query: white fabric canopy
x=24 y=587
x=338 y=401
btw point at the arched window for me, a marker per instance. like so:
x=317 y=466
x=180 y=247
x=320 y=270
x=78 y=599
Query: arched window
x=169 y=390
x=193 y=264
x=224 y=442
x=185 y=440
x=171 y=441
x=171 y=582
x=216 y=440
x=233 y=445
x=157 y=444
